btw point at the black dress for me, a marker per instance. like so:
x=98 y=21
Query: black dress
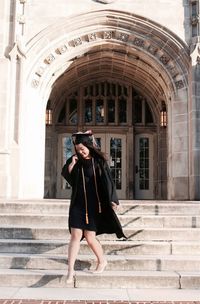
x=77 y=215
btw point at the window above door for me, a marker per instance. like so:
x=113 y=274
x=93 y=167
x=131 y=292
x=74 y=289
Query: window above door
x=105 y=103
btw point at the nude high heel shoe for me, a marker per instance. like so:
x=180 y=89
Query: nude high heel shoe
x=100 y=267
x=70 y=278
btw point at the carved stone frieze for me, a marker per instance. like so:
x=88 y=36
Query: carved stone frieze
x=61 y=49
x=77 y=41
x=107 y=35
x=92 y=37
x=49 y=59
x=138 y=42
x=164 y=59
x=179 y=84
x=124 y=37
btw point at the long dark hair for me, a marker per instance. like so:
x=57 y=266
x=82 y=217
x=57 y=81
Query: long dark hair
x=94 y=151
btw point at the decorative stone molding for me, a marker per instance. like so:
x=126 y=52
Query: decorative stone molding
x=77 y=41
x=107 y=35
x=62 y=49
x=195 y=19
x=154 y=46
x=139 y=42
x=49 y=59
x=179 y=84
x=92 y=37
x=123 y=37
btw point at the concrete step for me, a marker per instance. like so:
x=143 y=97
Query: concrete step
x=115 y=262
x=141 y=234
x=127 y=221
x=108 y=279
x=110 y=247
x=126 y=207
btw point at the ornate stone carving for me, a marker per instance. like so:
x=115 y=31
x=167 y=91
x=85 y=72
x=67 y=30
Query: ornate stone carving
x=92 y=36
x=107 y=35
x=77 y=41
x=123 y=37
x=152 y=49
x=195 y=19
x=62 y=49
x=164 y=59
x=138 y=42
x=49 y=59
x=179 y=84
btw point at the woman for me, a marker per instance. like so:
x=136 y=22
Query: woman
x=93 y=200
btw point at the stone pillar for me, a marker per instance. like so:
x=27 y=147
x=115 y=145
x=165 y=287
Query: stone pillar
x=195 y=126
x=178 y=156
x=4 y=101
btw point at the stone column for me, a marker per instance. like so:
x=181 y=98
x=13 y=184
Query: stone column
x=178 y=153
x=195 y=126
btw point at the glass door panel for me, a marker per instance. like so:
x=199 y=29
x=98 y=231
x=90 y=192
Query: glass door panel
x=144 y=168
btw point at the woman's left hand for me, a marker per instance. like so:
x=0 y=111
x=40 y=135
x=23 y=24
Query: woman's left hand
x=114 y=206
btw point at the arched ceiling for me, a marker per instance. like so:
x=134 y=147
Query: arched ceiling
x=116 y=63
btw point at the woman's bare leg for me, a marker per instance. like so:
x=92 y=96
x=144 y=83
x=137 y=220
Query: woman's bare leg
x=73 y=249
x=96 y=247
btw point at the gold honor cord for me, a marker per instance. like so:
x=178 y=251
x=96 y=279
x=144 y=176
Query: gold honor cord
x=85 y=194
x=95 y=181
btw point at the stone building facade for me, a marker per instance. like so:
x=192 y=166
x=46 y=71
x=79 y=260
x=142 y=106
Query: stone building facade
x=129 y=70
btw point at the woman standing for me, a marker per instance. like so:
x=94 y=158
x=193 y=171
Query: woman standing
x=93 y=200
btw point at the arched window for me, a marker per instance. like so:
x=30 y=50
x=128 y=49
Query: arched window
x=105 y=103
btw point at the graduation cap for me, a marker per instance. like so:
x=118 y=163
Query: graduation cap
x=83 y=138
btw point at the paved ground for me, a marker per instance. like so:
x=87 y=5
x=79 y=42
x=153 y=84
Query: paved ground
x=89 y=296
x=88 y=302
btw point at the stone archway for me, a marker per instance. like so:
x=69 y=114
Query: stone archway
x=144 y=53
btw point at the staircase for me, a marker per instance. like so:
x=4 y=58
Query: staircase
x=162 y=249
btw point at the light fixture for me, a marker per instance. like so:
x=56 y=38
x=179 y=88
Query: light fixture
x=48 y=117
x=163 y=116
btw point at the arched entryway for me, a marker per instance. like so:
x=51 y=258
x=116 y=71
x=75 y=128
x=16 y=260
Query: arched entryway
x=126 y=126
x=148 y=63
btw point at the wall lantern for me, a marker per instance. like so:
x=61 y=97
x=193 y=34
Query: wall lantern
x=48 y=117
x=163 y=116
